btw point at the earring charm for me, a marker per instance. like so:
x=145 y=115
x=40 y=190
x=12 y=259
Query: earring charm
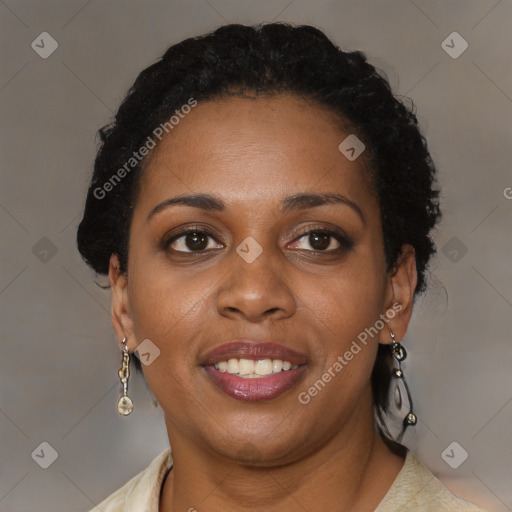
x=125 y=404
x=399 y=354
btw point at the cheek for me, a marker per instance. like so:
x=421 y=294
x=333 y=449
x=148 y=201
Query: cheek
x=347 y=348
x=161 y=301
x=165 y=311
x=171 y=310
x=346 y=313
x=352 y=301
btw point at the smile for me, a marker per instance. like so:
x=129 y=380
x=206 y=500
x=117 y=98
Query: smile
x=254 y=370
x=249 y=369
x=242 y=383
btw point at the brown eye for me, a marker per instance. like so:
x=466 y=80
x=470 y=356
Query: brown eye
x=191 y=241
x=322 y=240
x=318 y=241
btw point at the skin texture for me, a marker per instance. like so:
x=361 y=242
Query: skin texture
x=231 y=455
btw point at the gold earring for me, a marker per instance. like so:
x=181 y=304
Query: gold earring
x=125 y=404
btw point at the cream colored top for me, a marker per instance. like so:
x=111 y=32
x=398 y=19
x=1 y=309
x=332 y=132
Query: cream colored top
x=415 y=489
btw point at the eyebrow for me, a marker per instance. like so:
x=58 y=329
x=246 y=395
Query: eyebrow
x=295 y=202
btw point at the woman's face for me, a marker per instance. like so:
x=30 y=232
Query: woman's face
x=256 y=271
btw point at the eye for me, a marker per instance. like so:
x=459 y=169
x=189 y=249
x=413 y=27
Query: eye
x=319 y=240
x=323 y=240
x=192 y=240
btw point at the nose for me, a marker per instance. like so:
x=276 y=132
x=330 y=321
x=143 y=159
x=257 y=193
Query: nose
x=256 y=291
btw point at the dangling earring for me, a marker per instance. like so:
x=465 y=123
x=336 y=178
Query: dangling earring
x=399 y=354
x=125 y=404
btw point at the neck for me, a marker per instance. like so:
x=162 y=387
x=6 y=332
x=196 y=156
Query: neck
x=352 y=471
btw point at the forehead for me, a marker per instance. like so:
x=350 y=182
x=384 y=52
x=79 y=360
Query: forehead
x=250 y=149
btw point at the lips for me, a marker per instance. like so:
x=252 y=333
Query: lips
x=256 y=389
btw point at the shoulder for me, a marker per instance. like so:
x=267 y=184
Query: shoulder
x=142 y=492
x=417 y=489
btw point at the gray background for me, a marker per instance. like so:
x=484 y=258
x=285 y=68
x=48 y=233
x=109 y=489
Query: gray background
x=59 y=358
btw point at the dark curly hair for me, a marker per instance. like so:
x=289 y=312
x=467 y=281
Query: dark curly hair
x=270 y=59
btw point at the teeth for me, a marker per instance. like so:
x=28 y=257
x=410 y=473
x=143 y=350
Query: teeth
x=246 y=367
x=250 y=369
x=263 y=367
x=232 y=365
x=277 y=365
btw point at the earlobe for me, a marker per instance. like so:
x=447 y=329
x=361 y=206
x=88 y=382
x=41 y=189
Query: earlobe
x=402 y=284
x=120 y=309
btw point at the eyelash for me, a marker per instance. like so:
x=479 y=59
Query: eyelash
x=346 y=243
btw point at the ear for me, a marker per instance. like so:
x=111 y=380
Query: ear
x=400 y=295
x=120 y=310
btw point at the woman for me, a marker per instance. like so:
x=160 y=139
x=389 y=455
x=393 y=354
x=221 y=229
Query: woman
x=262 y=205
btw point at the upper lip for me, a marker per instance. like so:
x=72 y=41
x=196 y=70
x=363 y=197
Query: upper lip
x=253 y=349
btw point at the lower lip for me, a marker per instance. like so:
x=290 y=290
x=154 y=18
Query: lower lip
x=255 y=390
